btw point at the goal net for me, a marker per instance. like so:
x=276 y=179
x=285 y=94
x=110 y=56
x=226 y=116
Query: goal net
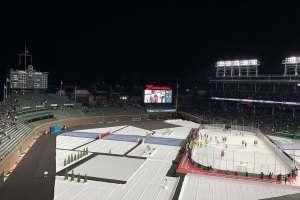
x=242 y=168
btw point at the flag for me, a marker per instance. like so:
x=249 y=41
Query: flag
x=27 y=52
x=7 y=80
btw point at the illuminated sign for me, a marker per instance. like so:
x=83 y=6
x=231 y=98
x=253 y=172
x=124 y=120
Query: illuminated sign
x=258 y=101
x=158 y=96
x=152 y=87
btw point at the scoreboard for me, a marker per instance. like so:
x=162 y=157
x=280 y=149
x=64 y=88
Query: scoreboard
x=157 y=94
x=28 y=79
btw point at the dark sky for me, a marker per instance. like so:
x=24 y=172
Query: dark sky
x=144 y=43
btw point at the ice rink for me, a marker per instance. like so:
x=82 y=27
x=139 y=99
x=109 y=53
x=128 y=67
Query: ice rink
x=252 y=158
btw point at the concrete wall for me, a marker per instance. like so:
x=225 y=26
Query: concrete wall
x=8 y=163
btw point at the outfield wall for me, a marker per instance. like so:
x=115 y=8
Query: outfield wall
x=8 y=163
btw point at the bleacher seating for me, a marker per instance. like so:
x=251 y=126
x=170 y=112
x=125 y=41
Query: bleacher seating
x=16 y=135
x=36 y=116
x=68 y=113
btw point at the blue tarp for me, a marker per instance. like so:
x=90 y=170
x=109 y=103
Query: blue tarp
x=164 y=141
x=81 y=134
x=128 y=138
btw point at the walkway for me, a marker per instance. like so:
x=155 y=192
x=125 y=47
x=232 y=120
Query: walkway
x=26 y=181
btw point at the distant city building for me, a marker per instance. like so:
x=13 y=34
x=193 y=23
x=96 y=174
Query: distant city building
x=28 y=79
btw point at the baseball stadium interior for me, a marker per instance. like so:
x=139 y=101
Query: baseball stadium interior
x=230 y=132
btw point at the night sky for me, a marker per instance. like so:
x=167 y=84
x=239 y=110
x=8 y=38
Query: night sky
x=137 y=43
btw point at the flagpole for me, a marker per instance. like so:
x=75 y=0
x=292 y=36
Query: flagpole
x=6 y=90
x=60 y=88
x=7 y=81
x=75 y=93
x=4 y=86
x=25 y=57
x=177 y=94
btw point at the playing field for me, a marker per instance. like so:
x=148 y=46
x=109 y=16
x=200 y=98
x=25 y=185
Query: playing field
x=252 y=158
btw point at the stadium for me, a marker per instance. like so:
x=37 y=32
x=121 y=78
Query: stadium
x=143 y=101
x=108 y=145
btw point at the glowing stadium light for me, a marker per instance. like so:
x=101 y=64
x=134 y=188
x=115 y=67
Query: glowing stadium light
x=234 y=63
x=291 y=60
x=258 y=101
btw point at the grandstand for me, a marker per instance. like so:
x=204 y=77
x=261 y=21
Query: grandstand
x=16 y=133
x=152 y=160
x=35 y=109
x=266 y=102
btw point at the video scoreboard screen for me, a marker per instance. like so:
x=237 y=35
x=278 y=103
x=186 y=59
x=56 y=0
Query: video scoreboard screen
x=157 y=94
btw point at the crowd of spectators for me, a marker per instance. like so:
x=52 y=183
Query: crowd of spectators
x=7 y=120
x=277 y=92
x=267 y=119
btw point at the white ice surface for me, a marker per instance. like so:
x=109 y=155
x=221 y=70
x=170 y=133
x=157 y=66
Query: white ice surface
x=162 y=152
x=196 y=187
x=107 y=146
x=259 y=158
x=176 y=132
x=67 y=142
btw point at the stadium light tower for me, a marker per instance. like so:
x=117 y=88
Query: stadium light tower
x=291 y=66
x=237 y=68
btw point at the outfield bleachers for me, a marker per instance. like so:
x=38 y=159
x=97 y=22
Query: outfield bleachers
x=35 y=116
x=29 y=110
x=132 y=110
x=68 y=113
x=33 y=100
x=16 y=135
x=111 y=110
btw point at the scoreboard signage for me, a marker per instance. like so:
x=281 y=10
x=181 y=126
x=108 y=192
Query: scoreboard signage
x=157 y=94
x=152 y=87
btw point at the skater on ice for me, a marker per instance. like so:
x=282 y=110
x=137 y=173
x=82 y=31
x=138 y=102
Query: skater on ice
x=222 y=153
